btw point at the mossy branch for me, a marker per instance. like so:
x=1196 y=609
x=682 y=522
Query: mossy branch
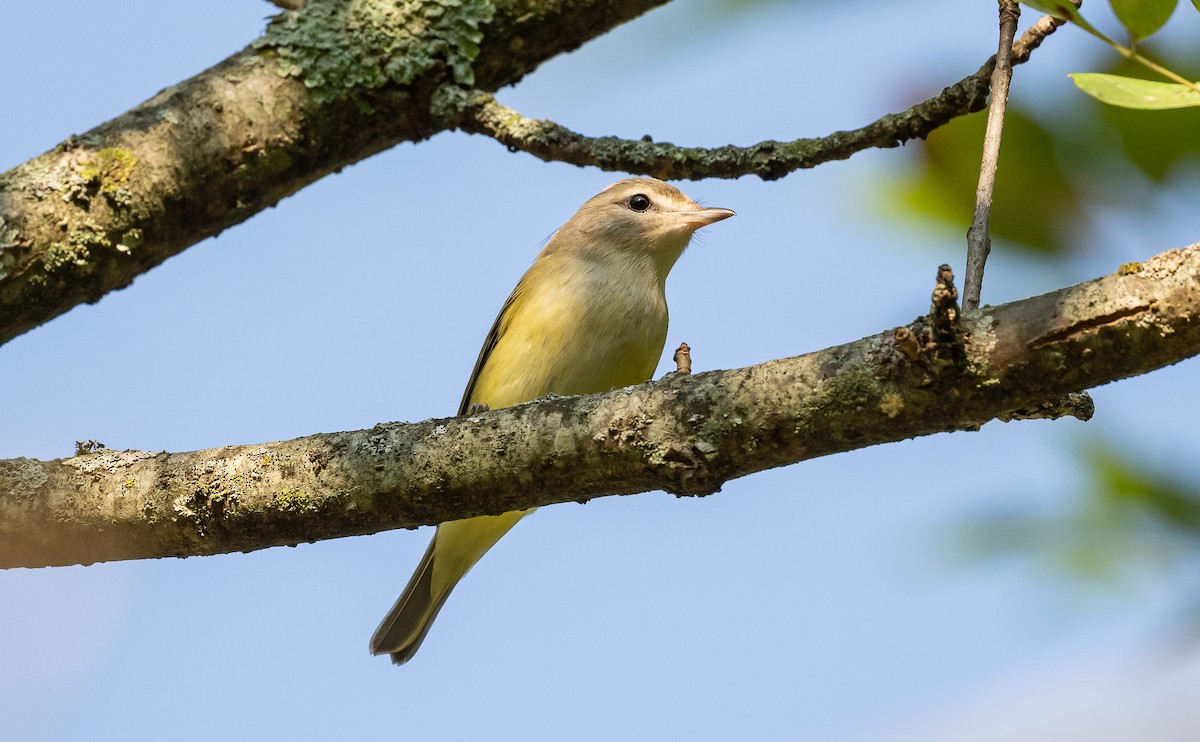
x=686 y=434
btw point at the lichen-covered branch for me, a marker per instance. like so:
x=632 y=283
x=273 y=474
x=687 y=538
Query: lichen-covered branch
x=686 y=434
x=480 y=113
x=324 y=87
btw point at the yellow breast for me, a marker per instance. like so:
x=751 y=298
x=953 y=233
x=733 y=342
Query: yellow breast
x=575 y=326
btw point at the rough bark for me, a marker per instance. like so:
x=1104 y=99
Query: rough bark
x=685 y=434
x=324 y=87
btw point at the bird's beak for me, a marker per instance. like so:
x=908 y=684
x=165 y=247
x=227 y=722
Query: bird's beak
x=703 y=217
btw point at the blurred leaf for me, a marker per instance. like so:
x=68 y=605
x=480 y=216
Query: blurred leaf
x=1143 y=17
x=1128 y=516
x=1155 y=143
x=1035 y=205
x=1131 y=92
x=1125 y=482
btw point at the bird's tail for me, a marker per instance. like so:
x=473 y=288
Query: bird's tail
x=455 y=548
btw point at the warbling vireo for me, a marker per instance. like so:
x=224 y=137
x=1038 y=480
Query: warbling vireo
x=590 y=315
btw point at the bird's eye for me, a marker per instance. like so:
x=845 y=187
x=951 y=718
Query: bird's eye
x=639 y=202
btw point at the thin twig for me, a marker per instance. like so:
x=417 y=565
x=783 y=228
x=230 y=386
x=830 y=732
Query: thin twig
x=979 y=244
x=480 y=113
x=1134 y=56
x=1035 y=35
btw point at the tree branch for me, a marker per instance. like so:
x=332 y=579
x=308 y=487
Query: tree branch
x=314 y=94
x=686 y=434
x=480 y=113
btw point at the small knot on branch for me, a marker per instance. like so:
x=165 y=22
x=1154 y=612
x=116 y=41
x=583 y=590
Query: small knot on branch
x=944 y=309
x=683 y=359
x=908 y=343
x=1010 y=11
x=943 y=317
x=933 y=342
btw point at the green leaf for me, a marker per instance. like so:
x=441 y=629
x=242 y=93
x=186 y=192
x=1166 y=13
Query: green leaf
x=1131 y=92
x=1157 y=145
x=1143 y=17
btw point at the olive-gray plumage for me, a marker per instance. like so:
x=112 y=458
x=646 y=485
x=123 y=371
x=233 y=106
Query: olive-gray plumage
x=589 y=315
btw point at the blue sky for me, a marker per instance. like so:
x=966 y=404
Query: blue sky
x=812 y=602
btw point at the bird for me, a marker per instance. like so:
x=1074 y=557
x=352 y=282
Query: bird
x=588 y=316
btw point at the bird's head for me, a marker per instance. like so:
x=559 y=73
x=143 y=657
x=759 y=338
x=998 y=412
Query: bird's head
x=640 y=216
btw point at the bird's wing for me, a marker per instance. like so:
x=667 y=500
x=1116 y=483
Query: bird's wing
x=493 y=337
